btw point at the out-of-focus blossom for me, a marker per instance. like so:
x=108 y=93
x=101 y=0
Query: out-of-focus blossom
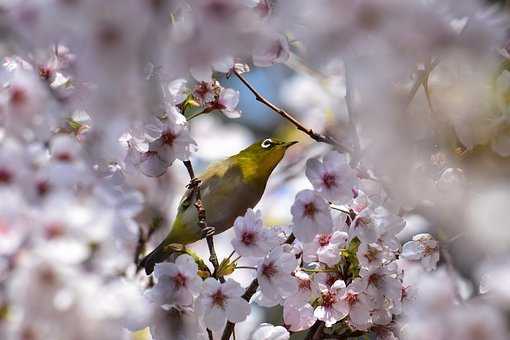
x=273 y=50
x=422 y=248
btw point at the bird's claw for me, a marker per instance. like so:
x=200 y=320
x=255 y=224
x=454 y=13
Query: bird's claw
x=194 y=183
x=208 y=231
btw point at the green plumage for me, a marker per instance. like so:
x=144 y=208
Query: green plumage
x=228 y=188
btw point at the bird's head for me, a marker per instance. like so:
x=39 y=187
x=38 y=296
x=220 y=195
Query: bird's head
x=264 y=155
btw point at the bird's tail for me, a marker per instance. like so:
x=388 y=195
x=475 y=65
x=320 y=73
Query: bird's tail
x=160 y=254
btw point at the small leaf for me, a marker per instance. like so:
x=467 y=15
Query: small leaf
x=226 y=267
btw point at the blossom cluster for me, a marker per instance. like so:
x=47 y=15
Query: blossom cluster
x=393 y=219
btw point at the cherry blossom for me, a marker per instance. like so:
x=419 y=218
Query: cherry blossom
x=333 y=177
x=422 y=248
x=325 y=248
x=274 y=274
x=171 y=137
x=331 y=309
x=252 y=239
x=219 y=302
x=311 y=216
x=176 y=283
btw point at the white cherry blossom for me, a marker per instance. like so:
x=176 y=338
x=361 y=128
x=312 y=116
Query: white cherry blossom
x=219 y=302
x=333 y=177
x=274 y=274
x=422 y=248
x=176 y=283
x=252 y=239
x=311 y=216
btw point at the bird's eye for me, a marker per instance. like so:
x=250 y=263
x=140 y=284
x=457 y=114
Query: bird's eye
x=267 y=143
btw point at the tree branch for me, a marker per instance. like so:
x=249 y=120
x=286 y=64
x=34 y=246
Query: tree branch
x=194 y=186
x=315 y=332
x=314 y=135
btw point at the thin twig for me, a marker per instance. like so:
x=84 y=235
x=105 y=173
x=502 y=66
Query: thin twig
x=248 y=293
x=314 y=135
x=315 y=331
x=194 y=186
x=420 y=81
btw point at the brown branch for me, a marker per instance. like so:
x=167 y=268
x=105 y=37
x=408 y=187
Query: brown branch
x=314 y=135
x=315 y=332
x=194 y=186
x=248 y=293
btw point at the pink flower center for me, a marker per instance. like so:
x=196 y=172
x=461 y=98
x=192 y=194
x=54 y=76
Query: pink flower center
x=330 y=280
x=168 y=138
x=180 y=280
x=28 y=334
x=5 y=176
x=42 y=188
x=305 y=285
x=374 y=279
x=45 y=72
x=47 y=276
x=64 y=157
x=371 y=254
x=18 y=96
x=328 y=299
x=324 y=239
x=54 y=230
x=329 y=180
x=109 y=35
x=201 y=90
x=269 y=270
x=351 y=298
x=310 y=210
x=247 y=238
x=218 y=298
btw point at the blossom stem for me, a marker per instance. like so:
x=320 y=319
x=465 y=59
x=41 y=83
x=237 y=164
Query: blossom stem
x=319 y=270
x=314 y=135
x=246 y=267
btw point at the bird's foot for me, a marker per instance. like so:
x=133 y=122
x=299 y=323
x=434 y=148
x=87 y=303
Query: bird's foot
x=194 y=183
x=208 y=231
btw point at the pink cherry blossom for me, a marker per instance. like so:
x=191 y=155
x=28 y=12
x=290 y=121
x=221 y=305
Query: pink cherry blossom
x=311 y=216
x=252 y=239
x=176 y=283
x=220 y=302
x=333 y=177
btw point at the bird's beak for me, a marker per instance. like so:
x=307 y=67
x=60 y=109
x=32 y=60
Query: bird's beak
x=289 y=144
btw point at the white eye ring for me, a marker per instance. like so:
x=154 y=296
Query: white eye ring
x=266 y=143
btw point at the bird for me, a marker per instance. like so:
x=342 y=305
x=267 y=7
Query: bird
x=228 y=188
